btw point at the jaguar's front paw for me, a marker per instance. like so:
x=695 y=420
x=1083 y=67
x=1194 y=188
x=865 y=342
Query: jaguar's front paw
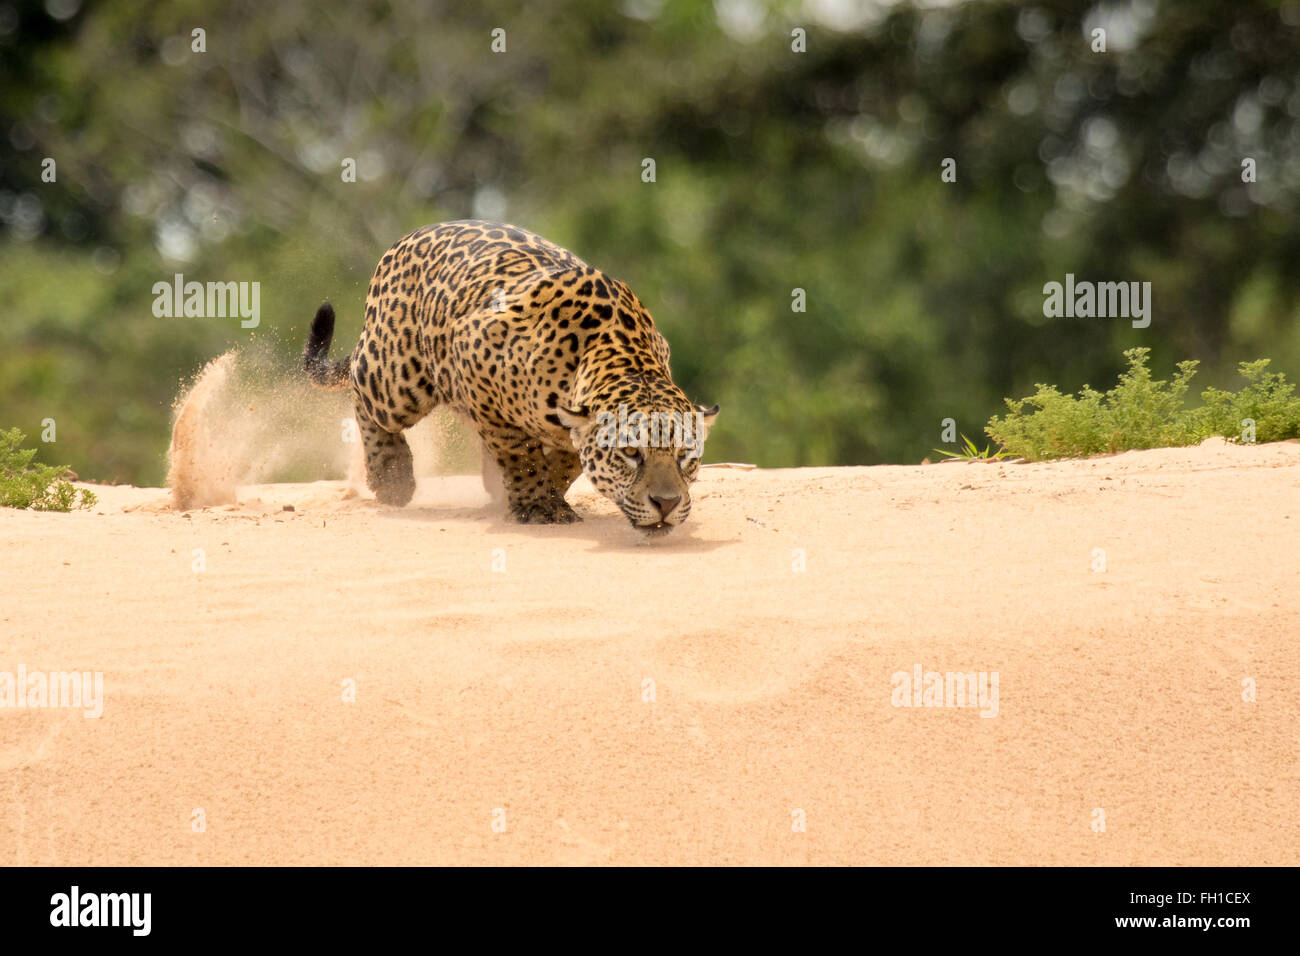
x=548 y=511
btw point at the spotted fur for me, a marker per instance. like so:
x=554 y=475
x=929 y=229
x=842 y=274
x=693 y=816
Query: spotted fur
x=531 y=345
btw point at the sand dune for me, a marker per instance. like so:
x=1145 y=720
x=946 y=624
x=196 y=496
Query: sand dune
x=598 y=697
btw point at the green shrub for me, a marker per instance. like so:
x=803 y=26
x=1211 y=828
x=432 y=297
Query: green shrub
x=1141 y=412
x=1266 y=400
x=39 y=487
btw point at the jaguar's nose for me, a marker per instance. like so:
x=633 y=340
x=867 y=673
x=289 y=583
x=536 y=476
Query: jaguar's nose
x=665 y=505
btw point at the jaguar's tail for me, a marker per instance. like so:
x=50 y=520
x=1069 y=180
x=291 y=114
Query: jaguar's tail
x=315 y=354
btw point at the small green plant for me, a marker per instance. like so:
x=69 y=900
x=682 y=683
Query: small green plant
x=1141 y=412
x=969 y=451
x=39 y=487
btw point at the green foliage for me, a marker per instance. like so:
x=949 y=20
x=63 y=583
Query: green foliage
x=1267 y=400
x=24 y=484
x=1141 y=412
x=969 y=451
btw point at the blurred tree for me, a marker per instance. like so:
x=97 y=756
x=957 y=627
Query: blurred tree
x=776 y=170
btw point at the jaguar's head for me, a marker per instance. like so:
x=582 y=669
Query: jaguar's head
x=643 y=453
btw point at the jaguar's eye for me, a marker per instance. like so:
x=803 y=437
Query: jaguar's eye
x=632 y=453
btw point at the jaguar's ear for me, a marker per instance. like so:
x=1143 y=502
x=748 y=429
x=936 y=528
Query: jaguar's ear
x=707 y=415
x=573 y=417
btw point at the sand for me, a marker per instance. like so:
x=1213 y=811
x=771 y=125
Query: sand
x=726 y=694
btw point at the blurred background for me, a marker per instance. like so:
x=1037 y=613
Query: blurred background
x=775 y=170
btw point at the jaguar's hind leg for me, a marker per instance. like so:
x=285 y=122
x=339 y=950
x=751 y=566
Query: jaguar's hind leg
x=389 y=472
